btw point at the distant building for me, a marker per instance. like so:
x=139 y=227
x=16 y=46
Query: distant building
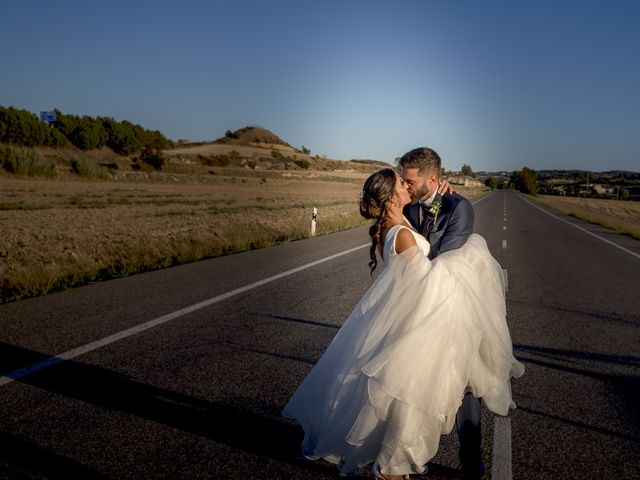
x=464 y=181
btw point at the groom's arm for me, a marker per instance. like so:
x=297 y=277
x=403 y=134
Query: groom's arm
x=458 y=229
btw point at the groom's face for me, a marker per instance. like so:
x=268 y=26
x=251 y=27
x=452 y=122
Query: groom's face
x=420 y=187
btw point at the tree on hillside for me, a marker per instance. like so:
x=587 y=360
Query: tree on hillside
x=525 y=180
x=122 y=137
x=491 y=182
x=20 y=127
x=467 y=171
x=85 y=132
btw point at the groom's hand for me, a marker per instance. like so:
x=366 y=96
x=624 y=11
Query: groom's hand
x=444 y=187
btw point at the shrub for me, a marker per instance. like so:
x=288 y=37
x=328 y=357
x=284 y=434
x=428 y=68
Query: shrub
x=491 y=182
x=302 y=163
x=215 y=160
x=152 y=156
x=25 y=163
x=82 y=168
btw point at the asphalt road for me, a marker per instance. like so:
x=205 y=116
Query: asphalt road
x=198 y=394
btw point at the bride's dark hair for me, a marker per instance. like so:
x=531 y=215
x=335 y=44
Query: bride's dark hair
x=378 y=189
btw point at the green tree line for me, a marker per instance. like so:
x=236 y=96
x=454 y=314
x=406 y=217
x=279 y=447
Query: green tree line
x=21 y=127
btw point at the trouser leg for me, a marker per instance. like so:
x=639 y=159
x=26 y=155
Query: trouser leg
x=469 y=434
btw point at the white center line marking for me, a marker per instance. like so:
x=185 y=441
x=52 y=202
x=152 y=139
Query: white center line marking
x=504 y=227
x=50 y=362
x=504 y=244
x=505 y=276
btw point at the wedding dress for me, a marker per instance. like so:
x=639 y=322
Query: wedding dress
x=391 y=381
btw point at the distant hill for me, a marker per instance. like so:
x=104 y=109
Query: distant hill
x=376 y=163
x=103 y=148
x=250 y=135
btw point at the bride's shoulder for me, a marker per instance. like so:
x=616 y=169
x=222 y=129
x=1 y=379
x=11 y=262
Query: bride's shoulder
x=398 y=238
x=405 y=239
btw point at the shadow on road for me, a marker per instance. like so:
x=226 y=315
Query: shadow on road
x=241 y=429
x=602 y=367
x=21 y=457
x=595 y=315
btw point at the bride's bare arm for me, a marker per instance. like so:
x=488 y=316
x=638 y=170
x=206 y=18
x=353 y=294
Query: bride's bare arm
x=404 y=240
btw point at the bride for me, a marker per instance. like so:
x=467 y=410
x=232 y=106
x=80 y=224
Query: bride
x=424 y=334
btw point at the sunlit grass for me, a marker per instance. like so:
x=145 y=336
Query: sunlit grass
x=149 y=254
x=607 y=223
x=620 y=216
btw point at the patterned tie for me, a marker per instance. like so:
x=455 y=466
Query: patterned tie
x=427 y=218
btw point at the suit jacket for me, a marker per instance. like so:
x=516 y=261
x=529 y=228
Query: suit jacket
x=452 y=228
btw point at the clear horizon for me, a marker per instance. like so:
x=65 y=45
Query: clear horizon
x=497 y=86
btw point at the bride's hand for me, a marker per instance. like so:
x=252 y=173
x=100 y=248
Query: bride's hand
x=444 y=187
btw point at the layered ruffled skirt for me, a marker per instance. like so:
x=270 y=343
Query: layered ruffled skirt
x=391 y=381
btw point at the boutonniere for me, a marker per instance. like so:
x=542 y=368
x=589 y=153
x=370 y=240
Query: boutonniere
x=436 y=205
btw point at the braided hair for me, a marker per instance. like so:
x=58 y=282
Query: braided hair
x=378 y=189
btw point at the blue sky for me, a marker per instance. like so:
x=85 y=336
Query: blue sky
x=497 y=85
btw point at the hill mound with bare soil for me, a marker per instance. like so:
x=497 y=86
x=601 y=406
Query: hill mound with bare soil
x=257 y=148
x=251 y=135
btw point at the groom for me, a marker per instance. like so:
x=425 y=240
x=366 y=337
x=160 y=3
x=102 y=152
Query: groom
x=446 y=222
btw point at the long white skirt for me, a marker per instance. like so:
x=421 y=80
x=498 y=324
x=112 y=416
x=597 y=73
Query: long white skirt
x=391 y=381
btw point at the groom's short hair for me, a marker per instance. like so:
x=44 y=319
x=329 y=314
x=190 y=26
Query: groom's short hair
x=426 y=160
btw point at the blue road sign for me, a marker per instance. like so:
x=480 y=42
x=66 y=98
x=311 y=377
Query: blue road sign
x=48 y=116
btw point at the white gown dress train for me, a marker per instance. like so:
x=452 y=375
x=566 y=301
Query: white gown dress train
x=391 y=381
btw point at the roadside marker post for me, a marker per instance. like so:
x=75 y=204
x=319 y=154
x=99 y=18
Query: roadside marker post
x=314 y=216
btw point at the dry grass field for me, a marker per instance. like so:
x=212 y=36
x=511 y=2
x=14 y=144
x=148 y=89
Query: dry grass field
x=67 y=231
x=96 y=215
x=618 y=215
x=58 y=233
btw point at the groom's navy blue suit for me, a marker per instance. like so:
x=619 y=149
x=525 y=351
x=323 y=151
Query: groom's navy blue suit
x=452 y=228
x=453 y=225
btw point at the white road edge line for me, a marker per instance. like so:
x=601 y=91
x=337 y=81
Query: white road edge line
x=50 y=362
x=76 y=352
x=501 y=461
x=482 y=198
x=583 y=229
x=501 y=464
